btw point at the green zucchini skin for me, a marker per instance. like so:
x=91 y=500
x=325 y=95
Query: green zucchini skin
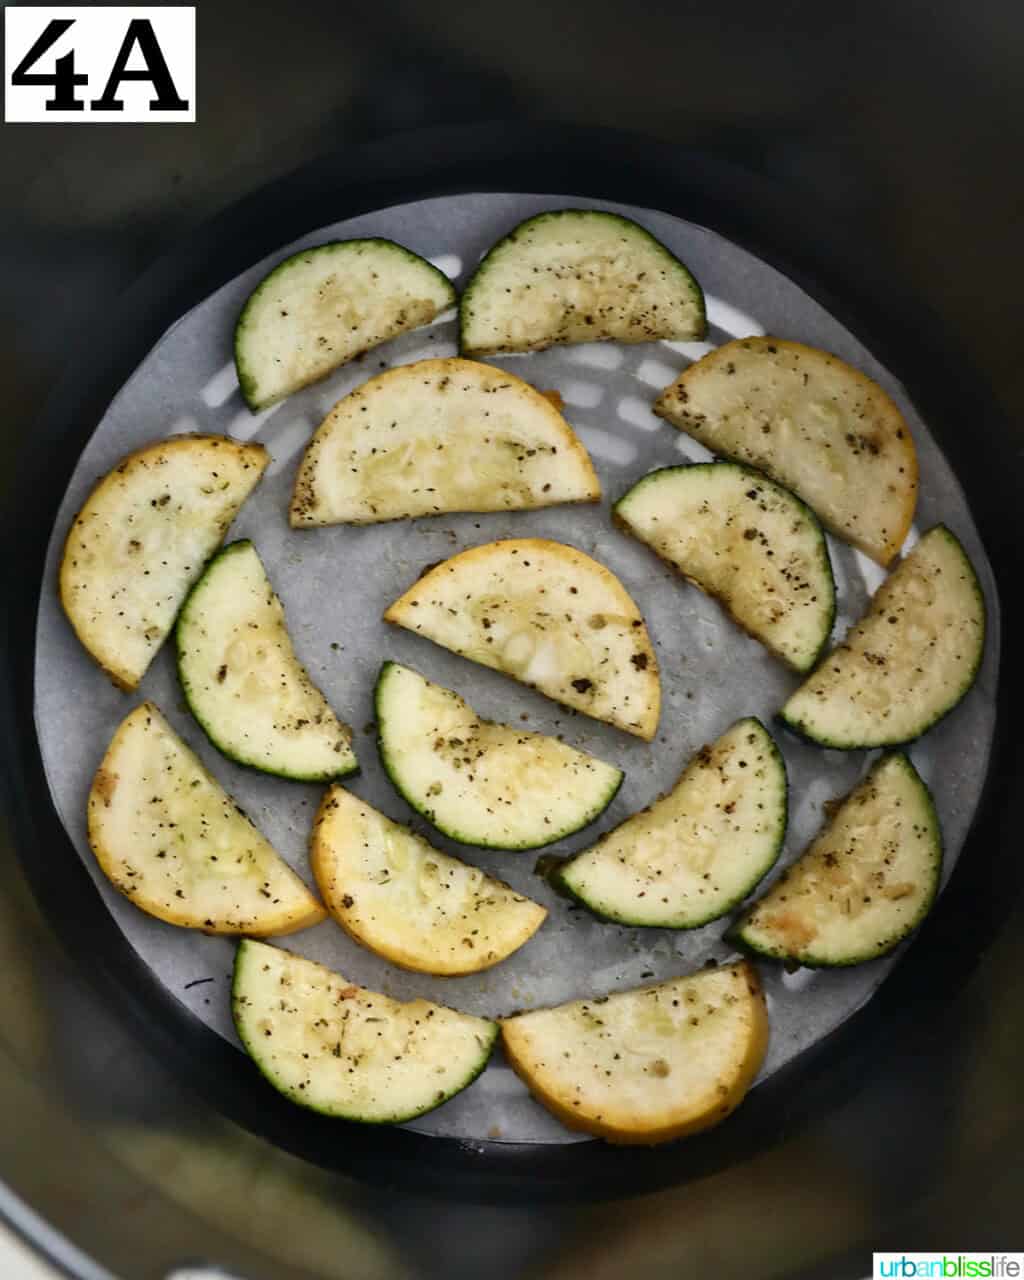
x=810 y=727
x=348 y=765
x=928 y=829
x=756 y=479
x=248 y=379
x=690 y=919
x=478 y=280
x=418 y=803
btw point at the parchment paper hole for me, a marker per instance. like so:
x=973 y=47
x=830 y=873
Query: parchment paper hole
x=655 y=373
x=183 y=426
x=245 y=424
x=692 y=449
x=583 y=395
x=604 y=445
x=287 y=444
x=692 y=350
x=638 y=413
x=596 y=355
x=735 y=322
x=449 y=263
x=220 y=386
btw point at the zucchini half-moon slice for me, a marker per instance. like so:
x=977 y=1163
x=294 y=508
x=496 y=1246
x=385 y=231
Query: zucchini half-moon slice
x=578 y=275
x=245 y=684
x=865 y=883
x=348 y=1052
x=907 y=663
x=746 y=541
x=324 y=306
x=697 y=851
x=478 y=782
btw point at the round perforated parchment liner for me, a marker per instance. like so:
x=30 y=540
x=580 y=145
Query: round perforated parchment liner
x=336 y=583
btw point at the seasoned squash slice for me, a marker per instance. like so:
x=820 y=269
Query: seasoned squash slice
x=748 y=542
x=649 y=1065
x=547 y=615
x=578 y=275
x=347 y=1052
x=697 y=851
x=439 y=435
x=409 y=902
x=142 y=539
x=479 y=782
x=910 y=659
x=867 y=881
x=245 y=685
x=811 y=422
x=169 y=837
x=324 y=306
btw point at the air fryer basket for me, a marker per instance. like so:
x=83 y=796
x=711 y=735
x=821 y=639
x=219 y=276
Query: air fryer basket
x=106 y=1073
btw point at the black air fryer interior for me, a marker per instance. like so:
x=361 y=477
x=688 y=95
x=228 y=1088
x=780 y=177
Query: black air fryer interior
x=130 y=1128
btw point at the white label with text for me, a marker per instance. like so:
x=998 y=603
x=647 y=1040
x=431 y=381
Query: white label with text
x=99 y=65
